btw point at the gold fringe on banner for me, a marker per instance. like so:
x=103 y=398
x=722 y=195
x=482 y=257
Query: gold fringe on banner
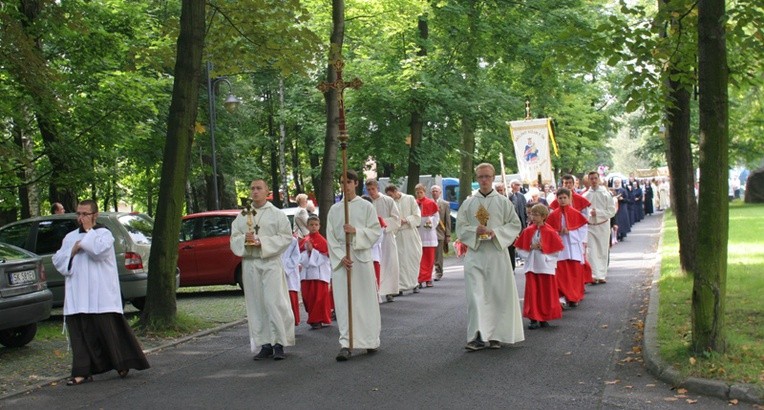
x=551 y=135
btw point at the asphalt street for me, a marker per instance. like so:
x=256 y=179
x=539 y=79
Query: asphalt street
x=590 y=359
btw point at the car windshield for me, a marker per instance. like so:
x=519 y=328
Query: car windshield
x=139 y=227
x=8 y=253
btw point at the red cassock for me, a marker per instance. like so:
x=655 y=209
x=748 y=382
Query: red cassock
x=294 y=299
x=542 y=302
x=427 y=263
x=579 y=203
x=570 y=272
x=316 y=295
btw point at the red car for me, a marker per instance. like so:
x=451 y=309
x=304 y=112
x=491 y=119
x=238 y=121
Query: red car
x=204 y=250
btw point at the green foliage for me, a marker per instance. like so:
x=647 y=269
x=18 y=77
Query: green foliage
x=105 y=72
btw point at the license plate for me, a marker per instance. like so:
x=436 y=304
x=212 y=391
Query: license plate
x=23 y=277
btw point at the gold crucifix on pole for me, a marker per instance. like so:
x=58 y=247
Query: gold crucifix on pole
x=340 y=85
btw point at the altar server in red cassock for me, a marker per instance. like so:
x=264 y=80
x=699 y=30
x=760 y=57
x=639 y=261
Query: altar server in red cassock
x=581 y=204
x=429 y=234
x=572 y=227
x=539 y=244
x=315 y=276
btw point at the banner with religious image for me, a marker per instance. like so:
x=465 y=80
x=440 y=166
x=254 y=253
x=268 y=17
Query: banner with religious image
x=531 y=139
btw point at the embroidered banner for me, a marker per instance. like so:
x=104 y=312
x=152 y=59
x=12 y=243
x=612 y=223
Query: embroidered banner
x=531 y=140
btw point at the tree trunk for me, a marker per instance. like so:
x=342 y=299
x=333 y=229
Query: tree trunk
x=468 y=148
x=297 y=176
x=24 y=171
x=161 y=307
x=45 y=103
x=416 y=138
x=282 y=144
x=273 y=154
x=679 y=158
x=417 y=123
x=315 y=178
x=326 y=189
x=710 y=280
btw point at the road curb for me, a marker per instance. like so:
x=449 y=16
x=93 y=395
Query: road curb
x=748 y=393
x=169 y=344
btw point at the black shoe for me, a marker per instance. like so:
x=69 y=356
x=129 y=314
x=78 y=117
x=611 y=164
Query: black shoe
x=475 y=345
x=278 y=352
x=534 y=325
x=416 y=289
x=494 y=344
x=544 y=324
x=572 y=304
x=389 y=298
x=371 y=351
x=343 y=355
x=265 y=353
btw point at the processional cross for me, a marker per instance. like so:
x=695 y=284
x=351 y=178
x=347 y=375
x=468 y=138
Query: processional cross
x=340 y=85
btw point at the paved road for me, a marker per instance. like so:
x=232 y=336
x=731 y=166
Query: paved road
x=588 y=360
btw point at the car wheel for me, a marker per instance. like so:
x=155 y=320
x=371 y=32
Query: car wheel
x=139 y=303
x=18 y=336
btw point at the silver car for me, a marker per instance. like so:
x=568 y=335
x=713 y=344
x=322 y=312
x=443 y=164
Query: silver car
x=132 y=243
x=24 y=298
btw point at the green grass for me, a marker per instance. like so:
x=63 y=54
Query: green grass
x=744 y=316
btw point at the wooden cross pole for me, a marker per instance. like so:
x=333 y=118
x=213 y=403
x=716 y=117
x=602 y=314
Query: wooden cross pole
x=340 y=85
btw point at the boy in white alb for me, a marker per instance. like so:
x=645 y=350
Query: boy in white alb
x=291 y=261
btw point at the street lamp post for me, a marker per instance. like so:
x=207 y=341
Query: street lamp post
x=230 y=104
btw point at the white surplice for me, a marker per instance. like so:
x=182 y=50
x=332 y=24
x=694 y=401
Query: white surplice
x=367 y=322
x=598 y=240
x=91 y=279
x=269 y=310
x=409 y=242
x=291 y=261
x=389 y=268
x=493 y=305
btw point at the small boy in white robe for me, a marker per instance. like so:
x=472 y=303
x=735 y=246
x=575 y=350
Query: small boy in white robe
x=291 y=261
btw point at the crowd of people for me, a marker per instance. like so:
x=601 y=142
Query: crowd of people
x=379 y=247
x=393 y=244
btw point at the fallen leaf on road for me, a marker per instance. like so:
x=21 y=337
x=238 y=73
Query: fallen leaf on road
x=691 y=401
x=650 y=385
x=628 y=387
x=681 y=391
x=604 y=326
x=568 y=353
x=733 y=402
x=612 y=382
x=670 y=399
